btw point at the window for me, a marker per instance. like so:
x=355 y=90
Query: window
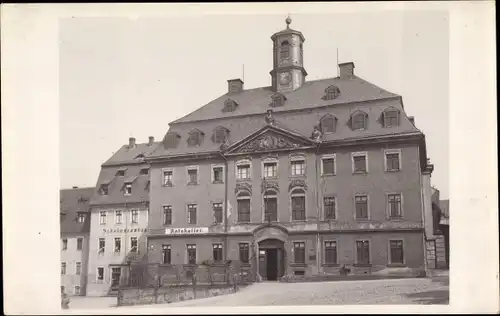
x=128 y=188
x=133 y=244
x=63 y=268
x=391 y=118
x=328 y=165
x=285 y=49
x=243 y=171
x=361 y=207
x=217 y=252
x=191 y=254
x=192 y=214
x=243 y=201
x=359 y=163
x=171 y=140
x=144 y=171
x=329 y=207
x=118 y=217
x=166 y=254
x=79 y=243
x=134 y=217
x=330 y=252
x=115 y=276
x=298 y=167
x=332 y=92
x=394 y=201
x=299 y=249
x=102 y=245
x=167 y=215
x=328 y=124
x=168 y=177
x=78 y=268
x=120 y=173
x=100 y=274
x=363 y=252
x=244 y=253
x=359 y=121
x=192 y=175
x=104 y=189
x=298 y=205
x=64 y=244
x=102 y=218
x=270 y=206
x=217 y=212
x=118 y=245
x=81 y=217
x=220 y=135
x=194 y=138
x=277 y=99
x=229 y=105
x=77 y=290
x=270 y=170
x=392 y=161
x=217 y=174
x=396 y=251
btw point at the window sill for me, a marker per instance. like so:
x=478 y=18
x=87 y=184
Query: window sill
x=166 y=265
x=295 y=176
x=393 y=170
x=363 y=265
x=243 y=222
x=298 y=265
x=217 y=182
x=333 y=265
x=192 y=183
x=362 y=219
x=396 y=265
x=328 y=174
x=245 y=264
x=330 y=220
x=360 y=172
x=394 y=218
x=270 y=178
x=299 y=220
x=167 y=185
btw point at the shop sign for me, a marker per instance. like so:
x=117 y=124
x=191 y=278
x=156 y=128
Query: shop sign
x=186 y=231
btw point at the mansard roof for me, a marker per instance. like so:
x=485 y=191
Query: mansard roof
x=73 y=201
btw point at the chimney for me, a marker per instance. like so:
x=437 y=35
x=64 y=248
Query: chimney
x=346 y=70
x=75 y=187
x=151 y=140
x=235 y=86
x=131 y=142
x=412 y=120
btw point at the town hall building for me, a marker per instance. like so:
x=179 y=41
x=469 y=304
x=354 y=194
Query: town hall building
x=297 y=178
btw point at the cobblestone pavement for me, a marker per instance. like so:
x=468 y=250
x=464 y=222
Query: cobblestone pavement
x=394 y=291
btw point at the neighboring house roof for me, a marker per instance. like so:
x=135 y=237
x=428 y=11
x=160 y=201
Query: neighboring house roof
x=124 y=160
x=308 y=96
x=73 y=201
x=444 y=205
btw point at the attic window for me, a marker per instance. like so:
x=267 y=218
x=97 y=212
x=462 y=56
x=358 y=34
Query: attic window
x=80 y=217
x=285 y=49
x=144 y=171
x=139 y=156
x=104 y=189
x=171 y=140
x=120 y=173
x=332 y=92
x=328 y=124
x=128 y=188
x=390 y=118
x=195 y=138
x=277 y=99
x=359 y=121
x=220 y=135
x=229 y=105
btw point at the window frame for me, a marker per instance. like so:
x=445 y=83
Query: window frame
x=217 y=246
x=389 y=259
x=240 y=163
x=164 y=207
x=217 y=132
x=247 y=252
x=326 y=157
x=244 y=195
x=303 y=160
x=295 y=253
x=99 y=246
x=77 y=292
x=116 y=217
x=291 y=196
x=359 y=154
x=391 y=152
x=78 y=264
x=136 y=246
x=195 y=253
x=367 y=207
x=335 y=206
x=101 y=213
x=191 y=168
x=64 y=268
x=81 y=217
x=365 y=120
x=398 y=117
x=127 y=186
x=284 y=53
x=164 y=248
x=64 y=244
x=221 y=212
x=370 y=260
x=213 y=167
x=328 y=117
x=99 y=281
x=78 y=239
x=189 y=213
x=336 y=263
x=165 y=183
x=270 y=161
x=388 y=206
x=114 y=245
x=270 y=196
x=132 y=216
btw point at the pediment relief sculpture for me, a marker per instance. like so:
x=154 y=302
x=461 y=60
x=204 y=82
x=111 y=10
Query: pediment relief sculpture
x=243 y=186
x=266 y=184
x=297 y=183
x=267 y=142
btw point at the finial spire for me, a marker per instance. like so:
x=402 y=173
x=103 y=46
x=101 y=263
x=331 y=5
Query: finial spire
x=288 y=21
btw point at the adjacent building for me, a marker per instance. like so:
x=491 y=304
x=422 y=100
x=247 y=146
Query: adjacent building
x=119 y=218
x=296 y=178
x=75 y=228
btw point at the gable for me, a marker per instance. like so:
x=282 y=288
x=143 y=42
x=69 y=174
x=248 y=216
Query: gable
x=269 y=139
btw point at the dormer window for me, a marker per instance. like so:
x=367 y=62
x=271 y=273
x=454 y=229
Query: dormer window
x=328 y=124
x=229 y=105
x=359 y=121
x=220 y=135
x=195 y=138
x=277 y=99
x=104 y=189
x=285 y=49
x=128 y=188
x=390 y=117
x=171 y=140
x=144 y=171
x=332 y=92
x=139 y=156
x=81 y=217
x=121 y=173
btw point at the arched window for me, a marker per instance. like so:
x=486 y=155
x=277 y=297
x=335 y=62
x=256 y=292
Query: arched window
x=220 y=135
x=328 y=124
x=195 y=138
x=298 y=202
x=277 y=99
x=390 y=117
x=243 y=205
x=359 y=121
x=270 y=206
x=229 y=105
x=285 y=49
x=171 y=140
x=332 y=92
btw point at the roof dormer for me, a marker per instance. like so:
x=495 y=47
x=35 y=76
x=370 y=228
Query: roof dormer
x=332 y=92
x=220 y=134
x=229 y=105
x=277 y=100
x=171 y=140
x=358 y=121
x=195 y=137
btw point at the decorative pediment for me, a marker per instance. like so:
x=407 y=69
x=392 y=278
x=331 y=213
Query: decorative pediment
x=243 y=186
x=297 y=183
x=267 y=141
x=266 y=184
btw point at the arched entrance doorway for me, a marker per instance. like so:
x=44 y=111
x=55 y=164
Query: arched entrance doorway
x=271 y=259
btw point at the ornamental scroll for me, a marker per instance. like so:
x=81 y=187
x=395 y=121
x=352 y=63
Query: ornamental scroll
x=266 y=184
x=297 y=183
x=243 y=186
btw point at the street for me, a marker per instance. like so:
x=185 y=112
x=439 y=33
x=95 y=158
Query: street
x=395 y=291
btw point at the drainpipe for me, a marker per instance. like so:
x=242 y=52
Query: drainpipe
x=318 y=211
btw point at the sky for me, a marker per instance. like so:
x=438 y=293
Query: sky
x=121 y=77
